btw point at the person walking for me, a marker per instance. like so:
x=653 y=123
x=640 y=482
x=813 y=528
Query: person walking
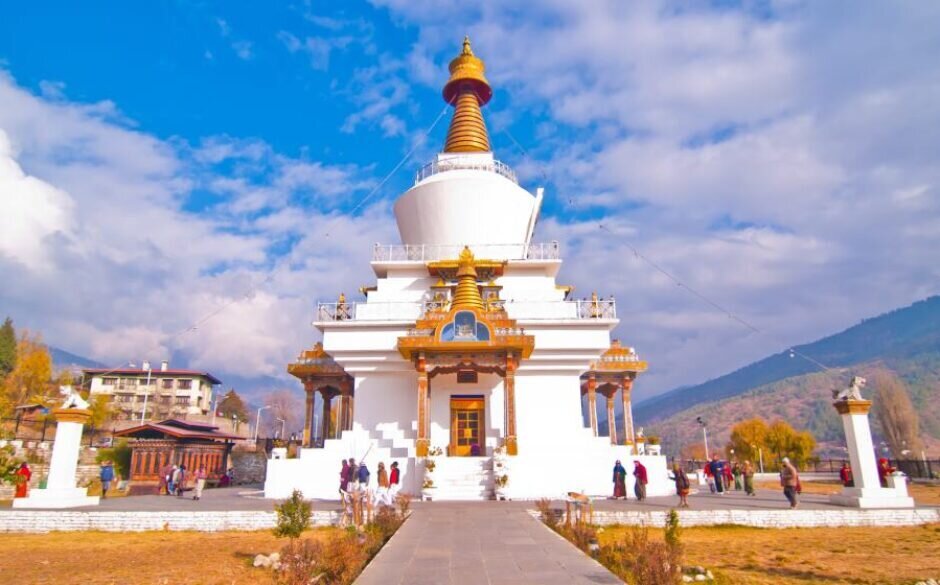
x=106 y=475
x=179 y=478
x=790 y=480
x=394 y=481
x=683 y=486
x=620 y=481
x=353 y=472
x=717 y=469
x=200 y=476
x=748 y=472
x=171 y=480
x=736 y=474
x=382 y=476
x=709 y=476
x=362 y=474
x=884 y=470
x=344 y=477
x=23 y=475
x=639 y=486
x=845 y=474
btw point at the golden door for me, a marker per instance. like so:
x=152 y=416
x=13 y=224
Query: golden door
x=466 y=426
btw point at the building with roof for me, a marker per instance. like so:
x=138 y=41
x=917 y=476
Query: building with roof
x=155 y=393
x=466 y=351
x=155 y=446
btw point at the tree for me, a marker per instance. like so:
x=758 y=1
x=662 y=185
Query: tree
x=287 y=406
x=747 y=438
x=101 y=411
x=7 y=348
x=232 y=404
x=899 y=421
x=30 y=379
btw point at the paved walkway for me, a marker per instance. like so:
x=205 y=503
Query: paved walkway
x=479 y=543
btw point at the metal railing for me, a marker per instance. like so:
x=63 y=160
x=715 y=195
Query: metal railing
x=432 y=252
x=524 y=310
x=468 y=163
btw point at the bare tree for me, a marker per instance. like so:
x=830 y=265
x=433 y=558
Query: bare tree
x=898 y=418
x=287 y=406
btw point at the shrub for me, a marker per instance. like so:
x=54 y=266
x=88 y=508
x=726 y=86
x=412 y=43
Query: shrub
x=403 y=502
x=120 y=455
x=293 y=516
x=673 y=532
x=548 y=514
x=9 y=464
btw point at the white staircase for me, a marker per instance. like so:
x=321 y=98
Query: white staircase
x=463 y=478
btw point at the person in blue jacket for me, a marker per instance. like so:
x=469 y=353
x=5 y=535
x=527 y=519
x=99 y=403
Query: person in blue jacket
x=106 y=474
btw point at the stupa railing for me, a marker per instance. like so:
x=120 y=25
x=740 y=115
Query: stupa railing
x=433 y=252
x=469 y=163
x=520 y=310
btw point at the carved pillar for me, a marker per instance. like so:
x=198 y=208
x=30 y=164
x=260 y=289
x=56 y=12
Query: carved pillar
x=308 y=415
x=626 y=386
x=611 y=419
x=592 y=401
x=509 y=384
x=325 y=421
x=345 y=413
x=424 y=435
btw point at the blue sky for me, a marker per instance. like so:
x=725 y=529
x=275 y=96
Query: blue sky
x=158 y=161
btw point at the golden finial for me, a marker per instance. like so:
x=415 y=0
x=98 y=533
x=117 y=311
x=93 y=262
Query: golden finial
x=467 y=295
x=467 y=89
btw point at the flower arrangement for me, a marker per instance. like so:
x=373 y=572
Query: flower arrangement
x=428 y=483
x=502 y=481
x=435 y=452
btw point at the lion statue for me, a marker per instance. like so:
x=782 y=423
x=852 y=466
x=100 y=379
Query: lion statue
x=72 y=398
x=853 y=392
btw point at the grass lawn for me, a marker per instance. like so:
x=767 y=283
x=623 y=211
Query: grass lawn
x=766 y=556
x=158 y=558
x=923 y=494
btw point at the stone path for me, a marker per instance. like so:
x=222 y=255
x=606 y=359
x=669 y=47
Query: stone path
x=479 y=543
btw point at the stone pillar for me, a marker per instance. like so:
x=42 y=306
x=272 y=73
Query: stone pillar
x=61 y=490
x=867 y=492
x=423 y=443
x=592 y=401
x=325 y=420
x=611 y=419
x=509 y=392
x=626 y=388
x=308 y=415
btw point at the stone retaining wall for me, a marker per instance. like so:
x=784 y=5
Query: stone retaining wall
x=771 y=518
x=41 y=521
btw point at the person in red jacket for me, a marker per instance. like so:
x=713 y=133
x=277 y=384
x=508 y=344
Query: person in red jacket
x=845 y=474
x=639 y=486
x=394 y=479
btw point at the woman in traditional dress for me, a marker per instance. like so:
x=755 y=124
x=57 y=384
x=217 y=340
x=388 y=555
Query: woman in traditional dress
x=23 y=475
x=682 y=485
x=620 y=481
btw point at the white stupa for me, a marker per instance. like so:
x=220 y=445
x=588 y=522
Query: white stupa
x=466 y=346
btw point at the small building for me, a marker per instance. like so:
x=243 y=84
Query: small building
x=155 y=393
x=175 y=442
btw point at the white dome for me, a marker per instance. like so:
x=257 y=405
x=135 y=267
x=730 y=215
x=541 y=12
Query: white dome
x=466 y=206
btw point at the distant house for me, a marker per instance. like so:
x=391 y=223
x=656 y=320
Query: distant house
x=164 y=392
x=30 y=412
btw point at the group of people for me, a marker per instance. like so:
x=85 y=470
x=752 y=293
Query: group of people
x=176 y=479
x=640 y=480
x=722 y=476
x=356 y=478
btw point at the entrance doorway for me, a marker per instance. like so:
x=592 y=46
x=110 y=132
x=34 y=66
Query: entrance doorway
x=466 y=426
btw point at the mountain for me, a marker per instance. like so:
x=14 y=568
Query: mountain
x=62 y=359
x=902 y=333
x=906 y=341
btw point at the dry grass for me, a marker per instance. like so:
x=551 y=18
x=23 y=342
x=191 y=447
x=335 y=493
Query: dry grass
x=797 y=556
x=923 y=494
x=170 y=558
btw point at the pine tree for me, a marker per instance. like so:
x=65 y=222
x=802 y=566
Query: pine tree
x=231 y=404
x=7 y=348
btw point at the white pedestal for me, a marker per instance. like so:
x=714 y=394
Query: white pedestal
x=61 y=491
x=867 y=492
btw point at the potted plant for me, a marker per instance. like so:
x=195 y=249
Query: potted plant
x=428 y=486
x=501 y=482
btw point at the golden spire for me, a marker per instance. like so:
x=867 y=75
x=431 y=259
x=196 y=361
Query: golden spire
x=467 y=295
x=467 y=89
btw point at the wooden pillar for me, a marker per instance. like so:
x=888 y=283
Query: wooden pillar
x=423 y=443
x=308 y=414
x=509 y=392
x=345 y=419
x=592 y=401
x=325 y=420
x=626 y=386
x=611 y=419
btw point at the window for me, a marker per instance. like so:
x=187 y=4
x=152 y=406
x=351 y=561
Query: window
x=182 y=400
x=165 y=399
x=166 y=383
x=140 y=398
x=124 y=398
x=108 y=381
x=184 y=384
